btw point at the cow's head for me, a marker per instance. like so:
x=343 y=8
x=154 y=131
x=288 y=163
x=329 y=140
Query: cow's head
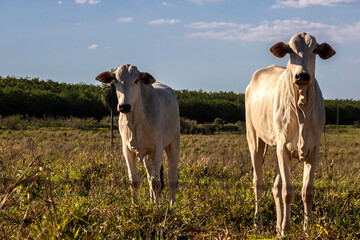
x=128 y=80
x=302 y=49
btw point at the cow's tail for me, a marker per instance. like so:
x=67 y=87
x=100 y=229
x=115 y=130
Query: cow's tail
x=265 y=150
x=162 y=177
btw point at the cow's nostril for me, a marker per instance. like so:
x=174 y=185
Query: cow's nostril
x=305 y=77
x=125 y=108
x=302 y=77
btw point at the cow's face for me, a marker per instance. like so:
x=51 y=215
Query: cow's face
x=302 y=49
x=128 y=80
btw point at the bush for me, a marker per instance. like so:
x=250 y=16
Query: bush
x=219 y=121
x=14 y=122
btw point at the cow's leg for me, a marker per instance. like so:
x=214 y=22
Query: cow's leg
x=172 y=153
x=130 y=159
x=284 y=159
x=257 y=150
x=277 y=192
x=153 y=167
x=308 y=185
x=148 y=163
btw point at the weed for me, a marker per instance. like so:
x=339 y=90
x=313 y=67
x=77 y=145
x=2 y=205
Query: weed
x=68 y=184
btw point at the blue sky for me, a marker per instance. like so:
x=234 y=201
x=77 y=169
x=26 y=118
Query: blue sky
x=213 y=45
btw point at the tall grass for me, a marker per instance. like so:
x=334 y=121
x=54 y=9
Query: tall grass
x=67 y=184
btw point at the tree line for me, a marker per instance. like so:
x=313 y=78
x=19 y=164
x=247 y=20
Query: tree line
x=39 y=98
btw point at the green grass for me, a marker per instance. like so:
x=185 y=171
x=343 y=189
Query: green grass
x=67 y=184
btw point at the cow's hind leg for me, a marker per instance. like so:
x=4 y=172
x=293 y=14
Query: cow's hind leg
x=148 y=163
x=172 y=153
x=257 y=153
x=153 y=164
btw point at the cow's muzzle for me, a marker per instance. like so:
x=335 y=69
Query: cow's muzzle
x=302 y=79
x=125 y=108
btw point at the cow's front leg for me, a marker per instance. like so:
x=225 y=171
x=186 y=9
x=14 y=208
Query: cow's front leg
x=130 y=159
x=277 y=192
x=284 y=159
x=308 y=185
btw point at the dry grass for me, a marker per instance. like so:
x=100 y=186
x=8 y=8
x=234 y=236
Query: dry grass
x=67 y=184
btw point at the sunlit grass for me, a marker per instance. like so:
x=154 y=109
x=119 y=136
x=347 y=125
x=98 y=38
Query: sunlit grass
x=67 y=184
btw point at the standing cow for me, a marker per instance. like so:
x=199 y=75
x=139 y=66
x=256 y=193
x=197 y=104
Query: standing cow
x=148 y=123
x=285 y=108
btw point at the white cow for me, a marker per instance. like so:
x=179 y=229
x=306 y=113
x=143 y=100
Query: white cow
x=285 y=108
x=148 y=123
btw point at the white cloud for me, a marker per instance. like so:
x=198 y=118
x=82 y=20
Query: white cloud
x=125 y=20
x=60 y=2
x=167 y=4
x=92 y=2
x=346 y=32
x=200 y=2
x=278 y=30
x=307 y=3
x=93 y=46
x=163 y=21
x=210 y=25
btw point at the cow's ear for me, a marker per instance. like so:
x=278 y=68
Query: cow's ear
x=325 y=51
x=106 y=77
x=280 y=49
x=147 y=78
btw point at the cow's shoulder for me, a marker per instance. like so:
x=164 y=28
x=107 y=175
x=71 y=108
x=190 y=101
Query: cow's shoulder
x=162 y=87
x=273 y=71
x=265 y=80
x=164 y=91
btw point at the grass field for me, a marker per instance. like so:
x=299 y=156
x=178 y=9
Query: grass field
x=67 y=184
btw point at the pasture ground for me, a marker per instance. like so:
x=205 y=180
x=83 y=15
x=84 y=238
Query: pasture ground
x=67 y=184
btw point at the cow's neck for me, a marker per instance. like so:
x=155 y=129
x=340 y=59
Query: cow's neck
x=305 y=100
x=302 y=101
x=305 y=114
x=138 y=118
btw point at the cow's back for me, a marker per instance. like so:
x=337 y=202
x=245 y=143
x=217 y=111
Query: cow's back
x=167 y=98
x=259 y=102
x=169 y=112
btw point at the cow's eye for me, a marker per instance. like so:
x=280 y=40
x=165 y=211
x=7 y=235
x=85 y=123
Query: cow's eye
x=137 y=80
x=315 y=50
